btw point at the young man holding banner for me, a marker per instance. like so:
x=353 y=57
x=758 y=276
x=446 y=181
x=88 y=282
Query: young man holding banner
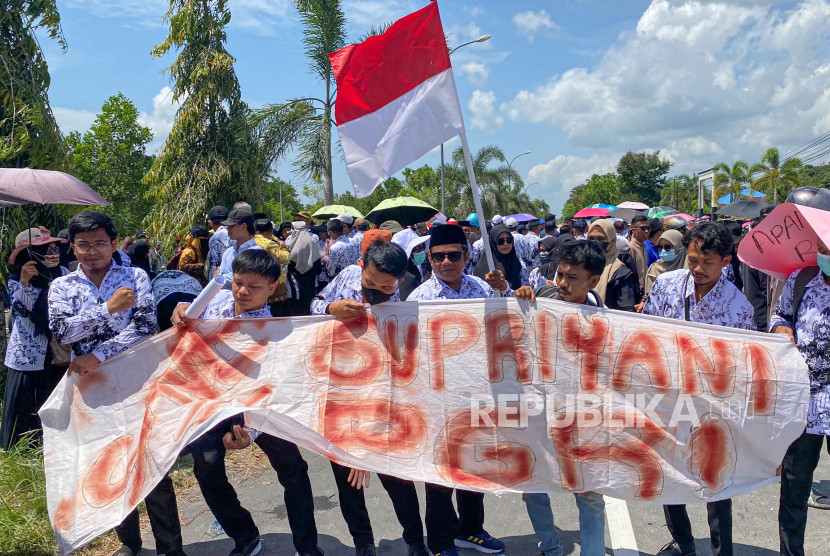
x=803 y=314
x=701 y=293
x=448 y=256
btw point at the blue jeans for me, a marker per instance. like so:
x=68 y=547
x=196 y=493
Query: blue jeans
x=591 y=506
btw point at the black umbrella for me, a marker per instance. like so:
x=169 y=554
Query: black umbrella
x=626 y=214
x=744 y=209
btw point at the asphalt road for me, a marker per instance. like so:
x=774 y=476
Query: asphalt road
x=755 y=520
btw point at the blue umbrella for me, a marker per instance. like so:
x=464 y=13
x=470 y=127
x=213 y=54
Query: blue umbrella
x=601 y=206
x=756 y=196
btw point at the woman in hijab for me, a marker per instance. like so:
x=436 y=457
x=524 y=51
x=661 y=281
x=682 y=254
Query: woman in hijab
x=33 y=371
x=284 y=231
x=304 y=267
x=550 y=253
x=672 y=256
x=193 y=256
x=506 y=260
x=414 y=247
x=618 y=284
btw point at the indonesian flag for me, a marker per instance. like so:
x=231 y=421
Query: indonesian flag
x=396 y=98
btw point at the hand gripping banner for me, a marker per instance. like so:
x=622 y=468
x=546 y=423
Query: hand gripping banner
x=492 y=395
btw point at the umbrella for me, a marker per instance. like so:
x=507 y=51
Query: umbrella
x=330 y=211
x=23 y=186
x=522 y=217
x=686 y=217
x=660 y=212
x=756 y=196
x=404 y=210
x=602 y=206
x=591 y=212
x=626 y=213
x=744 y=209
x=633 y=205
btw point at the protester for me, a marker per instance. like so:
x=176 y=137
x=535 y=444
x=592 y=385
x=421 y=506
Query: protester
x=579 y=229
x=340 y=251
x=219 y=242
x=284 y=231
x=701 y=293
x=803 y=315
x=527 y=254
x=550 y=253
x=445 y=529
x=33 y=371
x=579 y=272
x=193 y=258
x=127 y=244
x=265 y=228
x=97 y=331
x=286 y=284
x=617 y=286
x=376 y=281
x=241 y=231
x=672 y=256
x=255 y=275
x=415 y=248
x=655 y=228
x=305 y=265
x=506 y=260
x=638 y=235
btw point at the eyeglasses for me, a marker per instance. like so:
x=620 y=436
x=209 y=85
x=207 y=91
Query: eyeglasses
x=642 y=228
x=453 y=256
x=503 y=240
x=99 y=246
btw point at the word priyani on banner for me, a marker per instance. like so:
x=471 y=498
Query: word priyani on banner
x=493 y=395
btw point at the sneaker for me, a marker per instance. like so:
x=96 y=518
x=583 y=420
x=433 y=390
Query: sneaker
x=673 y=549
x=418 y=549
x=818 y=500
x=447 y=552
x=251 y=549
x=482 y=542
x=126 y=551
x=365 y=550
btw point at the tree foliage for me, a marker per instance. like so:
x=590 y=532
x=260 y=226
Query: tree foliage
x=305 y=123
x=642 y=176
x=680 y=192
x=731 y=180
x=603 y=188
x=271 y=200
x=815 y=176
x=209 y=157
x=111 y=158
x=778 y=178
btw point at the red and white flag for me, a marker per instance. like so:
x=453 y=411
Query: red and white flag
x=396 y=98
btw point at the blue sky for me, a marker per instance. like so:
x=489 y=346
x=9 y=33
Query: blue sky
x=576 y=82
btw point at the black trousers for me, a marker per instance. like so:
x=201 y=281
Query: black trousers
x=163 y=514
x=353 y=507
x=26 y=392
x=292 y=472
x=796 y=480
x=443 y=525
x=720 y=527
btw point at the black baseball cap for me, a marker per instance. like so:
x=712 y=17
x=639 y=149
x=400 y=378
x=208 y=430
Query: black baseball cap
x=580 y=225
x=239 y=216
x=218 y=213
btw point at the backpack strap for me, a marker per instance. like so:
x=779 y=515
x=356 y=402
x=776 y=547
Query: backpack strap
x=800 y=286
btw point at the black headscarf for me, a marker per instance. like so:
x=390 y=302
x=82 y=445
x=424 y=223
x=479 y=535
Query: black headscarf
x=40 y=311
x=548 y=269
x=509 y=264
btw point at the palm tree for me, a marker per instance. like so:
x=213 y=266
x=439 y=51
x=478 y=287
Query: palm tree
x=500 y=187
x=731 y=180
x=306 y=122
x=778 y=177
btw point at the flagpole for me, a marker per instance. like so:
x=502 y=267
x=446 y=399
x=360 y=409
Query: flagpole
x=468 y=162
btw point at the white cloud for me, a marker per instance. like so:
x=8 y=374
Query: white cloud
x=161 y=119
x=259 y=16
x=476 y=72
x=701 y=80
x=482 y=105
x=530 y=23
x=375 y=13
x=562 y=173
x=71 y=119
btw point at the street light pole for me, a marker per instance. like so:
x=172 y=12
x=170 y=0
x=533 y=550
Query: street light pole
x=482 y=38
x=281 y=216
x=510 y=168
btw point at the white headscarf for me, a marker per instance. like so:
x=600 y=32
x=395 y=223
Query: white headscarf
x=304 y=250
x=408 y=239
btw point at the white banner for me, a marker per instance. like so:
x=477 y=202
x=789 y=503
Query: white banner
x=494 y=395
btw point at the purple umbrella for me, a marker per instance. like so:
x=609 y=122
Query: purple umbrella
x=24 y=186
x=521 y=217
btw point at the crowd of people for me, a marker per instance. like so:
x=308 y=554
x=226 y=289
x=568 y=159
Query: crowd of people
x=78 y=299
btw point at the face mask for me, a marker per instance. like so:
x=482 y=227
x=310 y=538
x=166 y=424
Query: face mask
x=373 y=296
x=52 y=258
x=824 y=263
x=603 y=244
x=545 y=257
x=668 y=255
x=419 y=258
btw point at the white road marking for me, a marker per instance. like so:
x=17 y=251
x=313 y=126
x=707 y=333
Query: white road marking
x=623 y=542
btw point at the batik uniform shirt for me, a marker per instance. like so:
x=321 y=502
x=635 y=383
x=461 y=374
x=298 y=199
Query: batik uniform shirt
x=532 y=240
x=724 y=305
x=26 y=349
x=812 y=334
x=78 y=313
x=340 y=256
x=354 y=247
x=218 y=243
x=536 y=279
x=472 y=287
x=521 y=247
x=226 y=268
x=345 y=285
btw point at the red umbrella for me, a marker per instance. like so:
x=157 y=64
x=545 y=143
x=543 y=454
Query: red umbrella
x=23 y=186
x=591 y=212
